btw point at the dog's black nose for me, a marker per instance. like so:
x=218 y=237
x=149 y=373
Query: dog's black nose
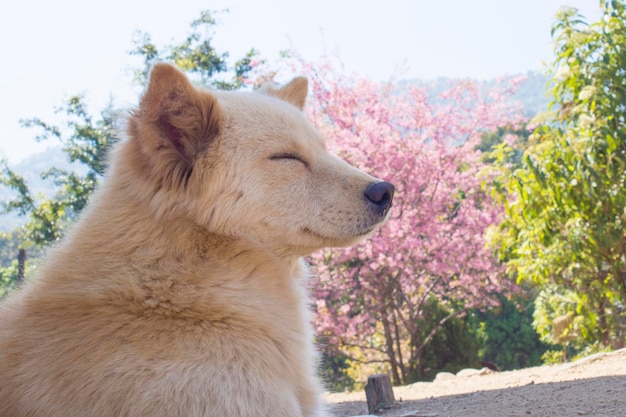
x=380 y=194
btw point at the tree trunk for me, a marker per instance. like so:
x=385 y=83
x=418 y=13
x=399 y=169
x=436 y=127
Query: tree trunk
x=604 y=326
x=379 y=393
x=21 y=264
x=390 y=351
x=401 y=363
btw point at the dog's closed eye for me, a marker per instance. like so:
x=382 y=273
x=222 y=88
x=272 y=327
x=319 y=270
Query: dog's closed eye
x=289 y=156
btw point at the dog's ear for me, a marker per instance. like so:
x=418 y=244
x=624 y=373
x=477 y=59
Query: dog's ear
x=293 y=92
x=174 y=122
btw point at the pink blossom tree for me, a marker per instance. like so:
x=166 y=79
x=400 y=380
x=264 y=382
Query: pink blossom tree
x=381 y=302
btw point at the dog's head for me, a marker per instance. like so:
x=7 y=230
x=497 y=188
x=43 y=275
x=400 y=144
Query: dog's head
x=248 y=165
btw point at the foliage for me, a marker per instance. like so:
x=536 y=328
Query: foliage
x=509 y=338
x=8 y=264
x=9 y=249
x=334 y=368
x=454 y=346
x=382 y=303
x=566 y=205
x=513 y=139
x=8 y=278
x=87 y=143
x=196 y=56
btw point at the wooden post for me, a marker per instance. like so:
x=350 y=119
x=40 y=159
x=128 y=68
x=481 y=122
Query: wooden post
x=21 y=263
x=379 y=393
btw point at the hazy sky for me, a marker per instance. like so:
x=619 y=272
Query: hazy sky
x=53 y=49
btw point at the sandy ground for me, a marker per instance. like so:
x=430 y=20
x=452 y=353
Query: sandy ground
x=594 y=386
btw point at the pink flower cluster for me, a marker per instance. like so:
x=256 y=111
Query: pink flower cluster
x=433 y=247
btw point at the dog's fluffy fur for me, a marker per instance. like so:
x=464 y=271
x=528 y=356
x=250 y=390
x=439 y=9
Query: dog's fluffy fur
x=181 y=292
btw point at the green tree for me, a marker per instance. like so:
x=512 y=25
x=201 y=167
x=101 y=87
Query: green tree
x=9 y=249
x=454 y=347
x=509 y=338
x=196 y=56
x=86 y=142
x=566 y=204
x=510 y=139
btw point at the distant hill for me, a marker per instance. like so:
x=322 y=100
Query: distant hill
x=531 y=92
x=31 y=169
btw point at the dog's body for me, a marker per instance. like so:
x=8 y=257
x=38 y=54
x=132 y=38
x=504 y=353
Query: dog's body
x=181 y=291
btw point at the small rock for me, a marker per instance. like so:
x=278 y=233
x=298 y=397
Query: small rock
x=444 y=376
x=467 y=372
x=485 y=371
